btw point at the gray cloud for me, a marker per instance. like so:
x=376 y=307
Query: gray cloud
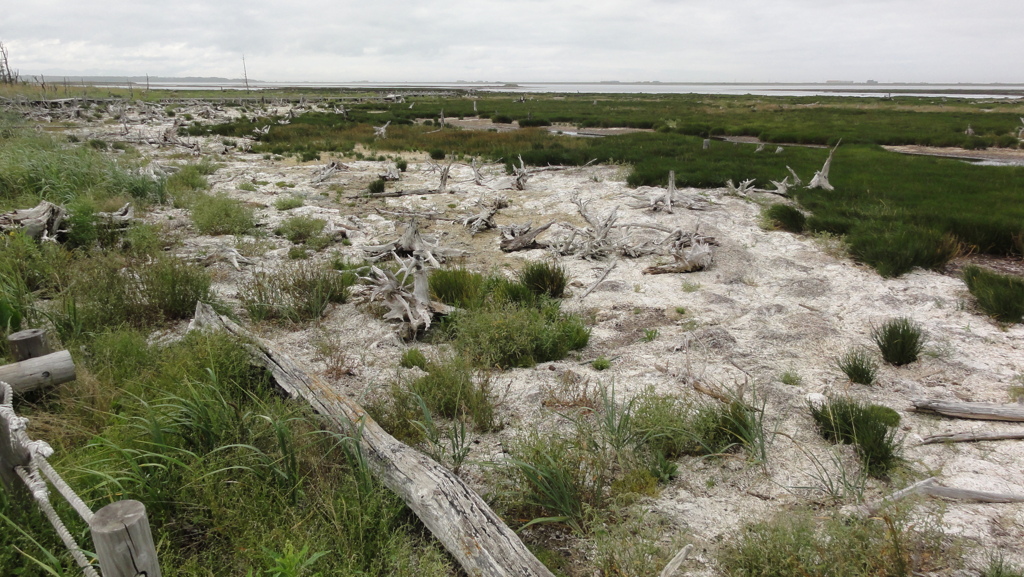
x=669 y=40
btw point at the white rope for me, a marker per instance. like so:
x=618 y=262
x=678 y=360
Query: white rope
x=38 y=451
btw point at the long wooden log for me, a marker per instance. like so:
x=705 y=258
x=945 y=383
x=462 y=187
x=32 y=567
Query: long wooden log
x=31 y=374
x=981 y=411
x=453 y=512
x=970 y=437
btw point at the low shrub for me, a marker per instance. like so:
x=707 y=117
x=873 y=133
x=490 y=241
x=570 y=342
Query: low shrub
x=286 y=202
x=413 y=358
x=784 y=217
x=870 y=428
x=301 y=229
x=601 y=364
x=858 y=366
x=457 y=287
x=171 y=287
x=220 y=214
x=544 y=279
x=295 y=293
x=802 y=545
x=507 y=335
x=376 y=186
x=900 y=340
x=448 y=389
x=437 y=154
x=1000 y=296
x=402 y=165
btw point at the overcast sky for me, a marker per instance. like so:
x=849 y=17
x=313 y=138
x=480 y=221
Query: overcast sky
x=526 y=40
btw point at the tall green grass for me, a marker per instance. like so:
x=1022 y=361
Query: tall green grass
x=1000 y=296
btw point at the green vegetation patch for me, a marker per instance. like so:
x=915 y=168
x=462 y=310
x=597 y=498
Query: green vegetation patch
x=1000 y=296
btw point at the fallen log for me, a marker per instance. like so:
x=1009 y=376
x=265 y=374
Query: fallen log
x=970 y=437
x=481 y=543
x=981 y=411
x=44 y=220
x=45 y=371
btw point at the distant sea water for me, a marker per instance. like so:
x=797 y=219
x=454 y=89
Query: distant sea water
x=983 y=91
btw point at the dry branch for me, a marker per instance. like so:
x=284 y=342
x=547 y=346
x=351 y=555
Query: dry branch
x=981 y=411
x=970 y=437
x=519 y=237
x=481 y=543
x=820 y=179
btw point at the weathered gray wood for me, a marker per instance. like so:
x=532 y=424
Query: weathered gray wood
x=522 y=240
x=969 y=495
x=970 y=437
x=453 y=512
x=981 y=411
x=31 y=374
x=28 y=344
x=123 y=540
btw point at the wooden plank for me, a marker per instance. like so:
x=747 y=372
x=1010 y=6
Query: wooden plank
x=45 y=371
x=982 y=411
x=453 y=512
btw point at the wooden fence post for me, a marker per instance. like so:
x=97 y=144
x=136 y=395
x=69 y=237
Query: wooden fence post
x=28 y=344
x=123 y=541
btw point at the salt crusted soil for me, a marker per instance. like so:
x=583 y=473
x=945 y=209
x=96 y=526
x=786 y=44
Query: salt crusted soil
x=773 y=302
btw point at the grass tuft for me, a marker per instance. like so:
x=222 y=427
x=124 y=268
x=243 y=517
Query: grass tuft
x=871 y=428
x=784 y=217
x=1000 y=296
x=900 y=340
x=858 y=366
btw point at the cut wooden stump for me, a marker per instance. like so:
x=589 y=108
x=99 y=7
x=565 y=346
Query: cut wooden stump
x=981 y=411
x=45 y=371
x=28 y=344
x=481 y=543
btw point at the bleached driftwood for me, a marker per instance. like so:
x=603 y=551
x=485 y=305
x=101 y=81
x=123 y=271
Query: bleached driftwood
x=484 y=219
x=931 y=488
x=604 y=275
x=445 y=170
x=326 y=171
x=676 y=562
x=970 y=437
x=38 y=372
x=413 y=308
x=390 y=173
x=820 y=179
x=413 y=243
x=45 y=220
x=796 y=179
x=521 y=175
x=478 y=177
x=981 y=411
x=522 y=237
x=595 y=241
x=781 y=187
x=698 y=257
x=741 y=190
x=659 y=201
x=451 y=511
x=121 y=218
x=381 y=132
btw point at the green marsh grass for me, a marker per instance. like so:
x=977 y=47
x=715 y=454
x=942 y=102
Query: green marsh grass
x=872 y=429
x=858 y=366
x=900 y=340
x=1000 y=296
x=219 y=214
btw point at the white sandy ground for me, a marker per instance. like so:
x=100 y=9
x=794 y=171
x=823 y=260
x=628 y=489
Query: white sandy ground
x=773 y=302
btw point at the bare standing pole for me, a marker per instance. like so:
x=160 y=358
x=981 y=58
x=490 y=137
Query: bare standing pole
x=245 y=75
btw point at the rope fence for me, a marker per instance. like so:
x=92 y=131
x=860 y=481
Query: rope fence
x=120 y=531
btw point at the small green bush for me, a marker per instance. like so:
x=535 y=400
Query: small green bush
x=457 y=287
x=507 y=335
x=784 y=217
x=413 y=358
x=801 y=545
x=900 y=340
x=402 y=165
x=301 y=229
x=1000 y=296
x=437 y=154
x=449 y=390
x=287 y=202
x=858 y=366
x=601 y=364
x=297 y=293
x=544 y=278
x=171 y=287
x=220 y=214
x=871 y=428
x=376 y=186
